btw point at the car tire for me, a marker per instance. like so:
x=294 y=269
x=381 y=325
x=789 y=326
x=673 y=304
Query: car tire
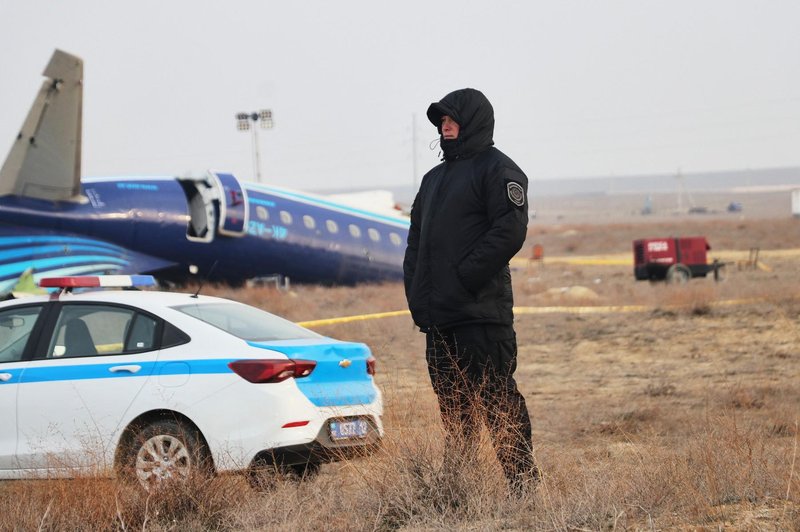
x=163 y=452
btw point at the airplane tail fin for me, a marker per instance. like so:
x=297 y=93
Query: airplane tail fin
x=45 y=159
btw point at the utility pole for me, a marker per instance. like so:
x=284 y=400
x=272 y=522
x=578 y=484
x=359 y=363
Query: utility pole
x=264 y=117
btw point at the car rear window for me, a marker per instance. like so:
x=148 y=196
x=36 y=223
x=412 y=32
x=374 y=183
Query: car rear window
x=248 y=323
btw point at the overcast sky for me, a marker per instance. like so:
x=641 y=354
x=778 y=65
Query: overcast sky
x=579 y=88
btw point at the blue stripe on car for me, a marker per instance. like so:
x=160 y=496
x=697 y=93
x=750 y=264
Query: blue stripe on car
x=103 y=371
x=330 y=384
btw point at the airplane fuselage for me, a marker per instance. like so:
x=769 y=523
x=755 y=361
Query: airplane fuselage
x=230 y=235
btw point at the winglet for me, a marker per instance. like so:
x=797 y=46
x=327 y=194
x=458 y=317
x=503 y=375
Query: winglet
x=45 y=159
x=25 y=286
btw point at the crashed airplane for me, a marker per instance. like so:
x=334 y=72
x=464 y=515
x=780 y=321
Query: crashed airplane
x=180 y=229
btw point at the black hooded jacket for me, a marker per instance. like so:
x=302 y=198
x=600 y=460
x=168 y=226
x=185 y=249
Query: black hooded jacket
x=468 y=220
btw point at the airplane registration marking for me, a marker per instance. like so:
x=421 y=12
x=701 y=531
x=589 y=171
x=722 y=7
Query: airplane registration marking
x=262 y=230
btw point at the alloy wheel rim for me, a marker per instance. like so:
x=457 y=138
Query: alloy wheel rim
x=160 y=459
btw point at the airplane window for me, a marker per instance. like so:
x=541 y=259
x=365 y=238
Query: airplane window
x=286 y=217
x=332 y=226
x=262 y=213
x=395 y=238
x=374 y=235
x=355 y=231
x=309 y=222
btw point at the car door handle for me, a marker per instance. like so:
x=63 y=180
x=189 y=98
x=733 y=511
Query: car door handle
x=5 y=377
x=133 y=368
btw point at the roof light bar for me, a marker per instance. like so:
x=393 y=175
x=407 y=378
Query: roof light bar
x=98 y=281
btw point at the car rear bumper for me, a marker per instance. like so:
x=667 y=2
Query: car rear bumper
x=322 y=448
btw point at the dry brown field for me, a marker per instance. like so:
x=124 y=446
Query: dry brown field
x=681 y=413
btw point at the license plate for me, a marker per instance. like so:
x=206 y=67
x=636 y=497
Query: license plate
x=350 y=429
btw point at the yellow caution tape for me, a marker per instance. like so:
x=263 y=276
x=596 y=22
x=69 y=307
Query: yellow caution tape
x=360 y=317
x=581 y=310
x=608 y=309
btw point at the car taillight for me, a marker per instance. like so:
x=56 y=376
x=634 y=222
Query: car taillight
x=264 y=371
x=371 y=366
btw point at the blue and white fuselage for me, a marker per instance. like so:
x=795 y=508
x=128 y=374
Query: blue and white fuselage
x=167 y=227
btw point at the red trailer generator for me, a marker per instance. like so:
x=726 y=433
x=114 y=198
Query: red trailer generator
x=674 y=259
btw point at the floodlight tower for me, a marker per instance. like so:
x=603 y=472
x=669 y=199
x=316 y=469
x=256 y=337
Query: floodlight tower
x=264 y=118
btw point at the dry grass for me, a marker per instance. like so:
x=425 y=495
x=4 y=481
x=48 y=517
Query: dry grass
x=682 y=416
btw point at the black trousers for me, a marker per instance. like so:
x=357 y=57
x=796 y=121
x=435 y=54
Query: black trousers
x=472 y=372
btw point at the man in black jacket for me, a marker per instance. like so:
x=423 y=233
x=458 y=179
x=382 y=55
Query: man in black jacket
x=468 y=220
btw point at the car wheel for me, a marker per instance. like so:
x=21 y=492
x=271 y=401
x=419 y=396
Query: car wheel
x=165 y=451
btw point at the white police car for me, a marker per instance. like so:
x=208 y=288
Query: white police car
x=158 y=385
